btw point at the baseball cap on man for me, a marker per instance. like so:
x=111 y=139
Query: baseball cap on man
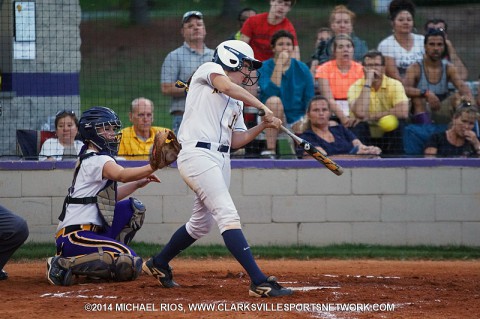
x=190 y=14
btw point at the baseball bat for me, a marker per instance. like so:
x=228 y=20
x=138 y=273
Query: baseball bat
x=312 y=151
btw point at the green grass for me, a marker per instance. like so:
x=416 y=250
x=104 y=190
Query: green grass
x=117 y=83
x=343 y=251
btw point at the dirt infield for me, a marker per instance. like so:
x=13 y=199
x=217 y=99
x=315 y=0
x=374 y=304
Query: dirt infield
x=323 y=289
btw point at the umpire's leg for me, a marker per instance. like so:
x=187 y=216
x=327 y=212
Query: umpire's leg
x=13 y=233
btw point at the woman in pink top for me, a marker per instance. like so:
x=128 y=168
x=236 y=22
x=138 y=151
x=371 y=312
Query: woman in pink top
x=336 y=76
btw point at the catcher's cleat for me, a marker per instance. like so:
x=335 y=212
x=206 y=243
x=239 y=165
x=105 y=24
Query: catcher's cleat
x=269 y=288
x=164 y=276
x=3 y=275
x=56 y=274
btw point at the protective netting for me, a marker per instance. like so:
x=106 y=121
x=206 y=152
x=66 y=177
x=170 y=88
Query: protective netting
x=58 y=58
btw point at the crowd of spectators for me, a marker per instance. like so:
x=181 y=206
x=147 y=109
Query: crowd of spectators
x=418 y=78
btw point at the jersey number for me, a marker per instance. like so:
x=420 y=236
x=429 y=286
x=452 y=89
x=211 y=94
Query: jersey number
x=234 y=120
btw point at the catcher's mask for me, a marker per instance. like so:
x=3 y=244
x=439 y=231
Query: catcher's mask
x=232 y=54
x=101 y=126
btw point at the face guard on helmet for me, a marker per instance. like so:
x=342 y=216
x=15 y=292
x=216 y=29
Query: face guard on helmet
x=233 y=54
x=96 y=125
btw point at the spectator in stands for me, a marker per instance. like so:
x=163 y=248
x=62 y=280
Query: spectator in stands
x=324 y=34
x=478 y=92
x=459 y=139
x=404 y=47
x=373 y=97
x=243 y=15
x=183 y=61
x=336 y=76
x=13 y=233
x=259 y=29
x=138 y=139
x=64 y=145
x=341 y=22
x=450 y=51
x=426 y=83
x=332 y=140
x=286 y=86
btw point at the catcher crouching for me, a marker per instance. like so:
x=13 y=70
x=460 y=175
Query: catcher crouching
x=98 y=219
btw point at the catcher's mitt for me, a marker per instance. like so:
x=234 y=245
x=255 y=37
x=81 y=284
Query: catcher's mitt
x=165 y=149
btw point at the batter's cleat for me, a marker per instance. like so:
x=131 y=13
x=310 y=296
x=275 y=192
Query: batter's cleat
x=56 y=274
x=269 y=288
x=164 y=276
x=3 y=275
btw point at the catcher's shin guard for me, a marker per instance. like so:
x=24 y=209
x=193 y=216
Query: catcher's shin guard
x=127 y=267
x=135 y=223
x=97 y=265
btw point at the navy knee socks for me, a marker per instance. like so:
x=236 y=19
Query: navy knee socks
x=180 y=241
x=238 y=246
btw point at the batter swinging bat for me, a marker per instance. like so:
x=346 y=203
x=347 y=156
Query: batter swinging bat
x=311 y=150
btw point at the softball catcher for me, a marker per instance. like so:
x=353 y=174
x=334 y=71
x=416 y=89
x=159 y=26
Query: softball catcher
x=212 y=124
x=98 y=221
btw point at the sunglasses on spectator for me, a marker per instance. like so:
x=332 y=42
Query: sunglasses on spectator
x=436 y=30
x=465 y=104
x=62 y=112
x=190 y=14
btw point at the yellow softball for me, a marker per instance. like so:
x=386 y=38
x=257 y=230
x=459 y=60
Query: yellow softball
x=388 y=123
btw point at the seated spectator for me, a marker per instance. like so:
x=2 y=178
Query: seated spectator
x=459 y=139
x=341 y=22
x=259 y=29
x=416 y=135
x=478 y=92
x=450 y=51
x=13 y=232
x=243 y=15
x=286 y=86
x=324 y=34
x=336 y=76
x=332 y=140
x=373 y=97
x=426 y=83
x=64 y=145
x=403 y=47
x=137 y=140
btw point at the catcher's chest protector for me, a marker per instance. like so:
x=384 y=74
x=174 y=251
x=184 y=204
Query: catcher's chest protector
x=105 y=198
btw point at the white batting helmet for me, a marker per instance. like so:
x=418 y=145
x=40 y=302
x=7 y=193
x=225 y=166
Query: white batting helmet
x=231 y=54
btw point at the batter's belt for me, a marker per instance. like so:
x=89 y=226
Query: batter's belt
x=73 y=228
x=207 y=145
